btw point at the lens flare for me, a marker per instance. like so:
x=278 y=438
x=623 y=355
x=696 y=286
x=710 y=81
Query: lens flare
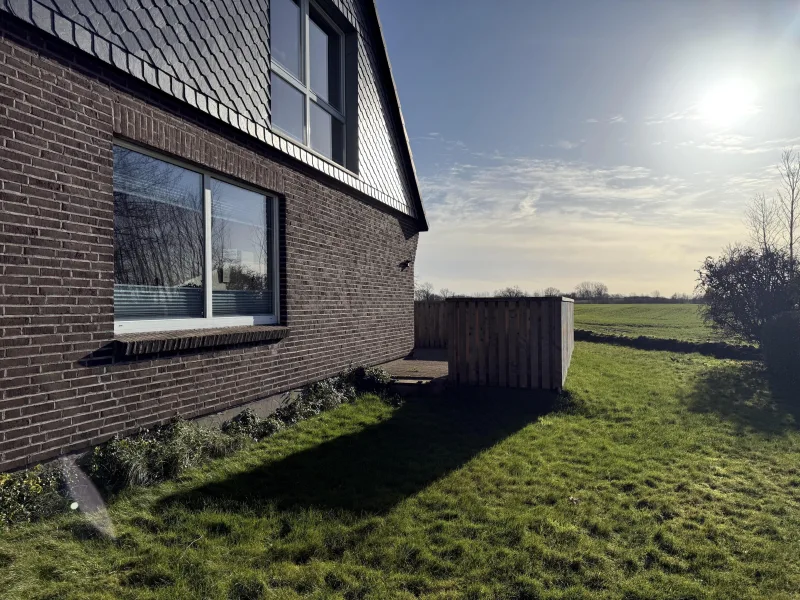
x=87 y=497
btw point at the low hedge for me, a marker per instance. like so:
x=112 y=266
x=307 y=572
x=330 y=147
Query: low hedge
x=164 y=452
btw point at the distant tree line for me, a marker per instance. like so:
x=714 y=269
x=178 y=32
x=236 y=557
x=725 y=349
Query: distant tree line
x=585 y=292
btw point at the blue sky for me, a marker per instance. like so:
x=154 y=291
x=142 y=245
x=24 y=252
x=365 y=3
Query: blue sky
x=619 y=141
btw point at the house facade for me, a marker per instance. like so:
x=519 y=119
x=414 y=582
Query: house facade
x=202 y=204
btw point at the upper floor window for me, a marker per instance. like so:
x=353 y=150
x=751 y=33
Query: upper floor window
x=191 y=250
x=308 y=78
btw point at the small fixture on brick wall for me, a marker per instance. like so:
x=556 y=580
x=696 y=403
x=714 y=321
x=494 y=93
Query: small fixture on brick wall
x=405 y=264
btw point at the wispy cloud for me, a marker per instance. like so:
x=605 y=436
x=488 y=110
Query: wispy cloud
x=691 y=113
x=729 y=143
x=568 y=145
x=612 y=120
x=542 y=221
x=497 y=192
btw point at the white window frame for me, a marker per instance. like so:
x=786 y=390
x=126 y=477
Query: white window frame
x=209 y=321
x=303 y=85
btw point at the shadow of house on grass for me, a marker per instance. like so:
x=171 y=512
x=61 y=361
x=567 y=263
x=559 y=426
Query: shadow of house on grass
x=374 y=469
x=746 y=395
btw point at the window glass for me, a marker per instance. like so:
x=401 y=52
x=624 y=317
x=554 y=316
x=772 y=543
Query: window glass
x=318 y=57
x=321 y=139
x=327 y=134
x=158 y=238
x=285 y=32
x=324 y=57
x=241 y=237
x=288 y=109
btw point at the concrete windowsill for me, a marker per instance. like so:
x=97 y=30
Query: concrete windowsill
x=134 y=344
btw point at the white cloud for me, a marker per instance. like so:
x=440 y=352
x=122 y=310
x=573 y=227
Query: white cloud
x=568 y=145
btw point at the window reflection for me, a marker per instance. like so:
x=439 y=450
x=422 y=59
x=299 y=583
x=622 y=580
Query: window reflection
x=158 y=238
x=241 y=237
x=285 y=32
x=288 y=109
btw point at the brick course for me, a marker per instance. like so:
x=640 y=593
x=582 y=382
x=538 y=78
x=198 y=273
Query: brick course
x=344 y=295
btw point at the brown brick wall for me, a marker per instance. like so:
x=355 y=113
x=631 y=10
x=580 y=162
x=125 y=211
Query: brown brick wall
x=343 y=295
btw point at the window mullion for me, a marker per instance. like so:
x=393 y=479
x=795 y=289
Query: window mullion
x=207 y=273
x=306 y=69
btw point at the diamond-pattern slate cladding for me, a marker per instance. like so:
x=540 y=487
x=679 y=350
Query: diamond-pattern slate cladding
x=215 y=56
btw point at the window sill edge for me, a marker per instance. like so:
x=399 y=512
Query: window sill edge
x=130 y=345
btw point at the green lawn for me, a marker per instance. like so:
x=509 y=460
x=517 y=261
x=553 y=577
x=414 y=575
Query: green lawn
x=671 y=321
x=664 y=476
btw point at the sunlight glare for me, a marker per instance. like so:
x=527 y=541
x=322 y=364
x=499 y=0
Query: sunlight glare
x=728 y=102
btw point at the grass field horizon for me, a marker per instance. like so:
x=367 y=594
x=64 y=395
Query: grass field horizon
x=669 y=321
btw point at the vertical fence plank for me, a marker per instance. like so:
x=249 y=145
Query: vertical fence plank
x=557 y=357
x=452 y=336
x=523 y=333
x=502 y=342
x=547 y=349
x=472 y=343
x=536 y=345
x=463 y=342
x=483 y=342
x=492 y=360
x=513 y=343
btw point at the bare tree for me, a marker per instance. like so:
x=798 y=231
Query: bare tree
x=551 y=291
x=656 y=294
x=511 y=292
x=446 y=293
x=789 y=198
x=591 y=290
x=424 y=291
x=763 y=220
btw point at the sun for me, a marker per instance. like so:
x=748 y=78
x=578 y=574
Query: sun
x=728 y=102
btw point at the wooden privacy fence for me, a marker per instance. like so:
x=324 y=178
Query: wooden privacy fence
x=430 y=324
x=519 y=343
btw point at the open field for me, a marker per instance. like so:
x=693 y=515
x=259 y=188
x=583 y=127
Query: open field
x=660 y=476
x=670 y=321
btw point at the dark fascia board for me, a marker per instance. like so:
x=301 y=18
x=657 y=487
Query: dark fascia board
x=399 y=123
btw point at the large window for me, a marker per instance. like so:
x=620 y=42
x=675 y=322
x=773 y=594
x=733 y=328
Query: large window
x=190 y=249
x=308 y=77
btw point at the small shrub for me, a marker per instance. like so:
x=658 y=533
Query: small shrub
x=269 y=426
x=369 y=380
x=780 y=345
x=246 y=423
x=32 y=494
x=160 y=453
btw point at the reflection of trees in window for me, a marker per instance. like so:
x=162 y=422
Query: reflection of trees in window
x=158 y=222
x=239 y=227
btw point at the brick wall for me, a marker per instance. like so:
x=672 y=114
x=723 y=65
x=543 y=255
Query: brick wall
x=343 y=294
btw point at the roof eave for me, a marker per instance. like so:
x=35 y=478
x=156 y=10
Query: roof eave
x=405 y=146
